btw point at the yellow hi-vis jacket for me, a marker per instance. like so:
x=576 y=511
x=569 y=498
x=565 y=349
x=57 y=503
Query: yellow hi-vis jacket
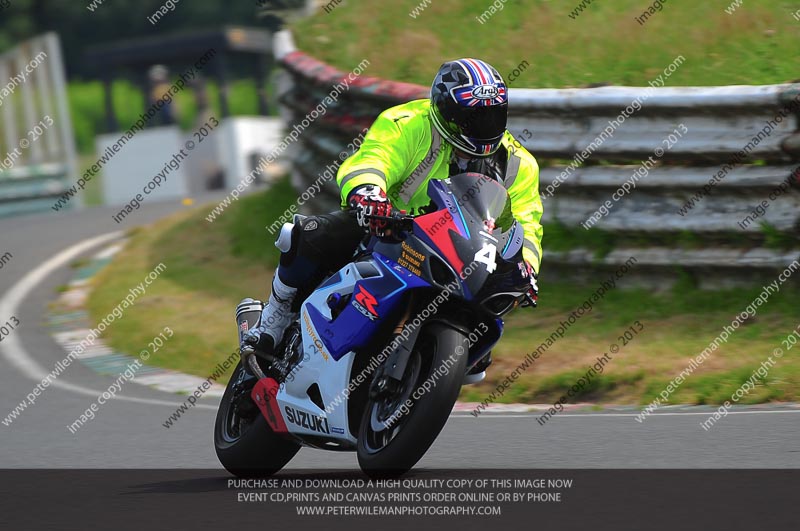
x=402 y=151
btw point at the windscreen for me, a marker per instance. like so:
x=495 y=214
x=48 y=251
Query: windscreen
x=483 y=201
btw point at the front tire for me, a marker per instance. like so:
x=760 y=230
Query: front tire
x=390 y=448
x=245 y=444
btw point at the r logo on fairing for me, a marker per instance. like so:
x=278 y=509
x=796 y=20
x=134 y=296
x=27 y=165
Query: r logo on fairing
x=365 y=302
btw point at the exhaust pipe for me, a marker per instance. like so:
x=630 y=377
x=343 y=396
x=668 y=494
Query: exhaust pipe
x=248 y=316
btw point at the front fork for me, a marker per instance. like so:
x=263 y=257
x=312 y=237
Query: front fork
x=389 y=377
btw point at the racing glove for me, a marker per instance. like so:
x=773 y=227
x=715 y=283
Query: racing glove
x=370 y=200
x=527 y=272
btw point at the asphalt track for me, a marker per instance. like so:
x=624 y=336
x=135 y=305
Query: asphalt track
x=128 y=433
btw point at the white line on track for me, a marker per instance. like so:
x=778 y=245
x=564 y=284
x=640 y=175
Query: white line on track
x=600 y=414
x=15 y=353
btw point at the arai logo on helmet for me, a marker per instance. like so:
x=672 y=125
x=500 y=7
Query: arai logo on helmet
x=485 y=92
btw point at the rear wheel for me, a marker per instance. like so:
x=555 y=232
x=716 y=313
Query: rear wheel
x=397 y=430
x=245 y=444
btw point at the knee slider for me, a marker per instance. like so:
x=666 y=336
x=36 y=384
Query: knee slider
x=284 y=240
x=287 y=237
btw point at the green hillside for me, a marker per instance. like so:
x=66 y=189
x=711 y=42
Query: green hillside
x=756 y=44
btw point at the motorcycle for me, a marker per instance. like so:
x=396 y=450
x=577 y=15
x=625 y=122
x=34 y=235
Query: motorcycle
x=375 y=361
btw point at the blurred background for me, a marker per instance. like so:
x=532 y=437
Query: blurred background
x=124 y=86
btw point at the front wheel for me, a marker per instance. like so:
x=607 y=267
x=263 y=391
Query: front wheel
x=245 y=444
x=397 y=430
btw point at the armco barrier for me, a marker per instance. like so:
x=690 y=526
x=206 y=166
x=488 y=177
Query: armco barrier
x=706 y=242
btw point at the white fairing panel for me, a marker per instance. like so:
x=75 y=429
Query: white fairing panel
x=303 y=416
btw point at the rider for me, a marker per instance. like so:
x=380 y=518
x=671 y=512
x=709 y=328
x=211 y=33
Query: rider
x=462 y=128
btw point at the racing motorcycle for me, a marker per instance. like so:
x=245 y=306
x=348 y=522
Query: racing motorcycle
x=375 y=361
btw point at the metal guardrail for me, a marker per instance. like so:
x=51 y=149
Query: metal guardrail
x=720 y=121
x=707 y=241
x=37 y=144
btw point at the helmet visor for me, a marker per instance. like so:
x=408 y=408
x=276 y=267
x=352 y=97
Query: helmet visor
x=481 y=123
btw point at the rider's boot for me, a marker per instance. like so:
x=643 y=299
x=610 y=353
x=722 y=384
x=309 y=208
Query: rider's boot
x=478 y=372
x=275 y=318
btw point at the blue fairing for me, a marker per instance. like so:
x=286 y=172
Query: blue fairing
x=443 y=198
x=353 y=328
x=332 y=280
x=485 y=343
x=514 y=243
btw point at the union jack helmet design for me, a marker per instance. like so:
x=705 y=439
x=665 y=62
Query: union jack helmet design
x=469 y=105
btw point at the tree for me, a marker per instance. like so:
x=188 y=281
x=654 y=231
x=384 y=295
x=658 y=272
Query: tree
x=112 y=20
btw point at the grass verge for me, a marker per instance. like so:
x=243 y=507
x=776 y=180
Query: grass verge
x=535 y=43
x=210 y=268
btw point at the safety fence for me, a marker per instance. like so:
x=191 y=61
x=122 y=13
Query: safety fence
x=701 y=181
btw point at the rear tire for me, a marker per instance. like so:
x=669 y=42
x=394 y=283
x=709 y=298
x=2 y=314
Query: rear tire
x=382 y=453
x=245 y=444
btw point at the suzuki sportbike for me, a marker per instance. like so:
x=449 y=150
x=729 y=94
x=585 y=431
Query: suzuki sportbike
x=375 y=361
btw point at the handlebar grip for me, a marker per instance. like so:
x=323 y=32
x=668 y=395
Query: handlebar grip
x=398 y=218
